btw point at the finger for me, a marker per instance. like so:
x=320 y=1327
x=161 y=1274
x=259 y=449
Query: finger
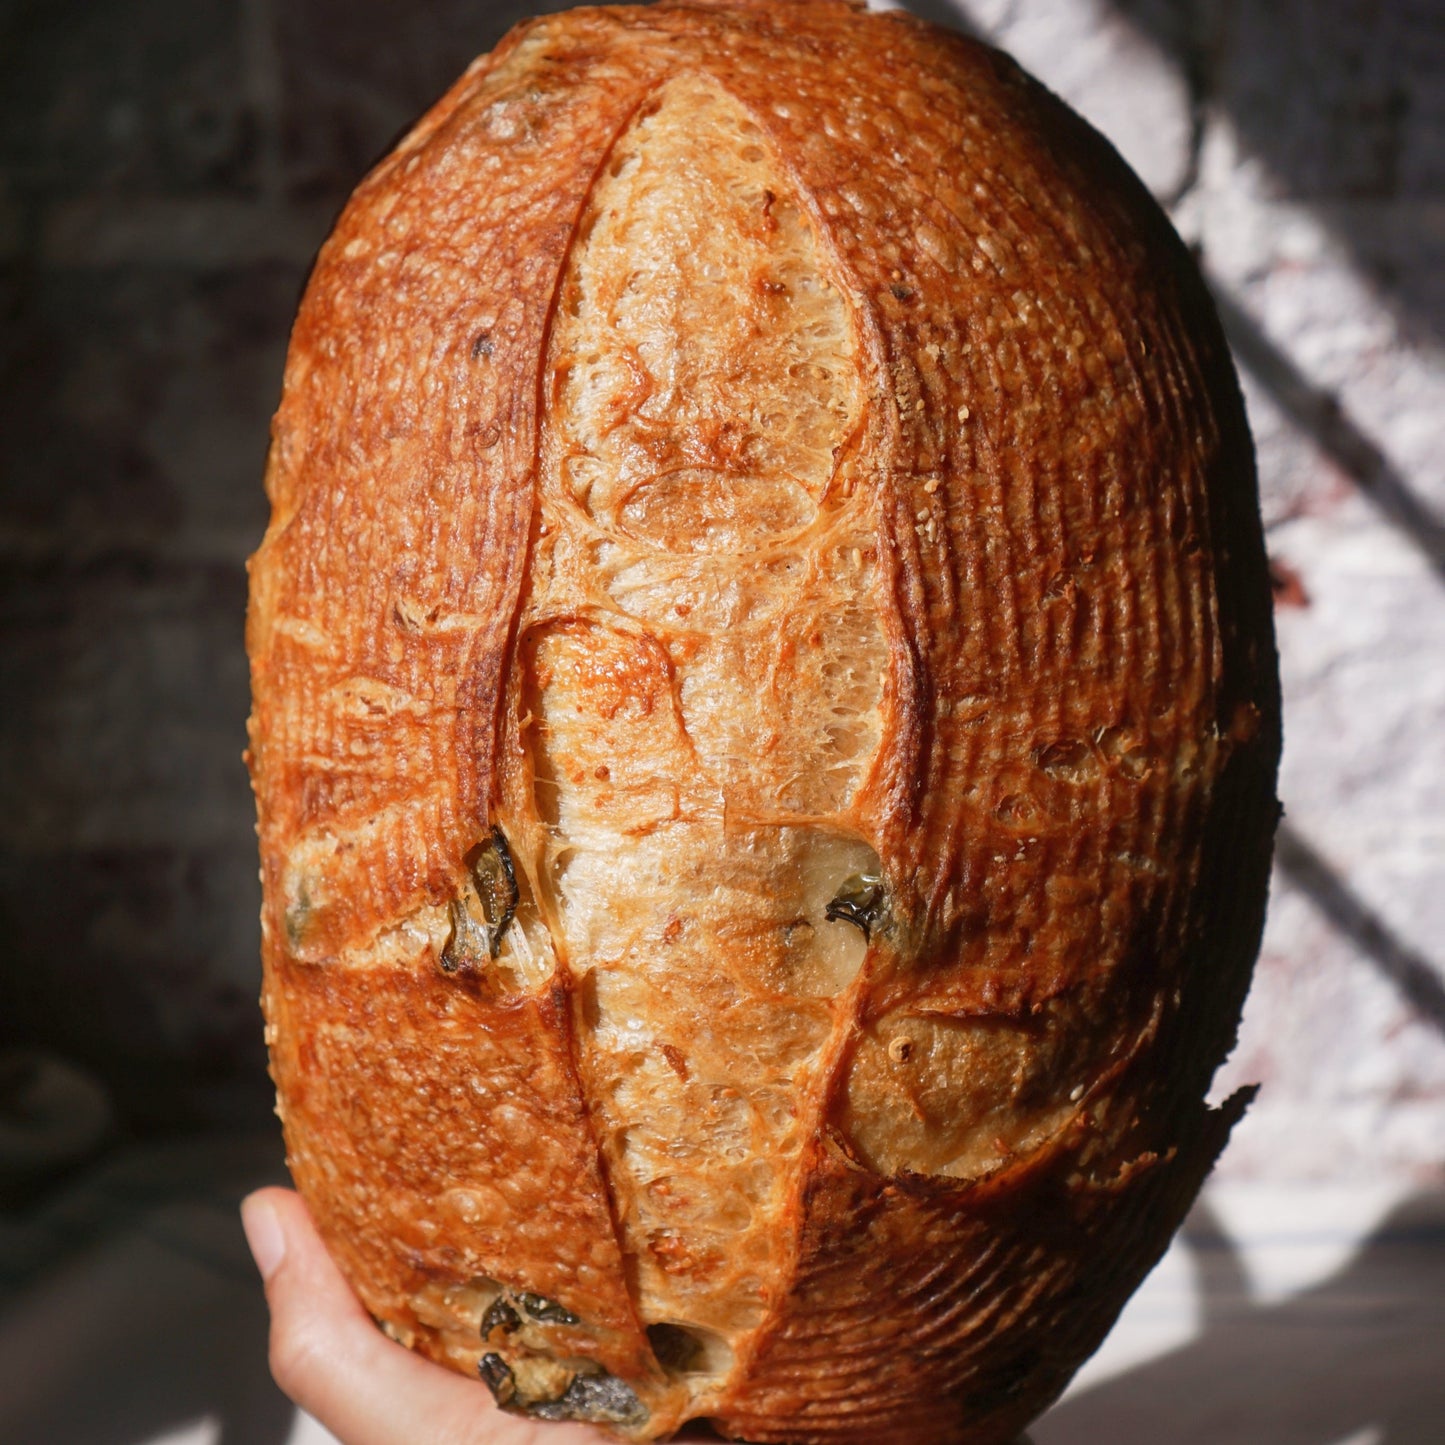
x=329 y=1357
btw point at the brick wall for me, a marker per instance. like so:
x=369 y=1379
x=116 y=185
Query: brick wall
x=167 y=170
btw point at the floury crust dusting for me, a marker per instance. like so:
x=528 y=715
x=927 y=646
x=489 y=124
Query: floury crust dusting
x=764 y=730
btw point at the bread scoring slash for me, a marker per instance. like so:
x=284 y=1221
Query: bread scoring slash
x=765 y=724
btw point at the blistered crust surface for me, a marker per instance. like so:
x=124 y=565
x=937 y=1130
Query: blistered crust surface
x=703 y=662
x=729 y=453
x=429 y=1121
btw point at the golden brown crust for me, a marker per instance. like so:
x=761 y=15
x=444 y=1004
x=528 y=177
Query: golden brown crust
x=429 y=1121
x=1002 y=463
x=987 y=1274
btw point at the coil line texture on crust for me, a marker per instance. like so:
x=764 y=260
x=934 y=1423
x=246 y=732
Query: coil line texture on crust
x=765 y=725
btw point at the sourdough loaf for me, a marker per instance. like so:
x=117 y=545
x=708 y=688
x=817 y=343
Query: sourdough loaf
x=764 y=731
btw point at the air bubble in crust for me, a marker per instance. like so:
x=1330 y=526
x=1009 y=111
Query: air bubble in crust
x=689 y=1349
x=958 y=1097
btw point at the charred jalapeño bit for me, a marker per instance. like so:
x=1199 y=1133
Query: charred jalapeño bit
x=859 y=901
x=499 y=1316
x=599 y=1399
x=481 y=913
x=496 y=883
x=467 y=947
x=298 y=915
x=545 y=1311
x=497 y=1376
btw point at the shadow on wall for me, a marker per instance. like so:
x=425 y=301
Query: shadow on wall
x=1323 y=417
x=1356 y=1356
x=1416 y=978
x=1340 y=101
x=944 y=13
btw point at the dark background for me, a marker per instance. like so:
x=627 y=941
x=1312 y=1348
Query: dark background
x=167 y=170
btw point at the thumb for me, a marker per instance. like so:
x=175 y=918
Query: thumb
x=329 y=1357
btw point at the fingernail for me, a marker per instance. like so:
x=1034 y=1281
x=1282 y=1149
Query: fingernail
x=263 y=1233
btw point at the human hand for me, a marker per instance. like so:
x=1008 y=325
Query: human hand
x=329 y=1357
